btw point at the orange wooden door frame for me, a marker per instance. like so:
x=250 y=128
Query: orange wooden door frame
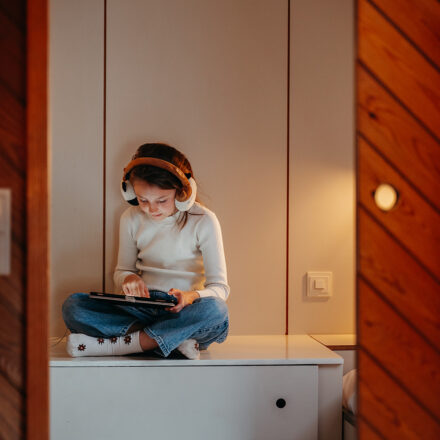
x=37 y=224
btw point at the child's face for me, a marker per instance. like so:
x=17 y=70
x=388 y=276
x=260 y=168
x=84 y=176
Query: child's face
x=156 y=202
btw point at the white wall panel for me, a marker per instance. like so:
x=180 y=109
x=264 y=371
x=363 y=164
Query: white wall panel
x=209 y=77
x=322 y=168
x=76 y=128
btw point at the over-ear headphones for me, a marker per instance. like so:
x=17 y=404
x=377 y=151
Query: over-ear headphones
x=187 y=196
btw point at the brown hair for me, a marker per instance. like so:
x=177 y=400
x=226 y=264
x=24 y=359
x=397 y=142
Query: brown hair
x=161 y=177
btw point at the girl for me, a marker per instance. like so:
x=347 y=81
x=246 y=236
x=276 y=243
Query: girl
x=168 y=243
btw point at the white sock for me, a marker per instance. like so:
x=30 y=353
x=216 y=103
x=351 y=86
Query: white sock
x=79 y=344
x=190 y=349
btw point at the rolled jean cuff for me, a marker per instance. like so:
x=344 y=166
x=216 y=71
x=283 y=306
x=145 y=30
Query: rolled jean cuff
x=160 y=342
x=224 y=334
x=125 y=329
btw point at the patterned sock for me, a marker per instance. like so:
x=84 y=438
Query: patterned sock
x=79 y=344
x=190 y=349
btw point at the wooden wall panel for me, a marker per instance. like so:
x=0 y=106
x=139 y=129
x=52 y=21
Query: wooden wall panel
x=411 y=292
x=12 y=47
x=412 y=213
x=13 y=176
x=398 y=257
x=400 y=137
x=399 y=65
x=418 y=20
x=391 y=410
x=11 y=416
x=367 y=431
x=404 y=353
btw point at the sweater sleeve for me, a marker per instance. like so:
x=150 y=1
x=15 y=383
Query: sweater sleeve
x=211 y=246
x=128 y=251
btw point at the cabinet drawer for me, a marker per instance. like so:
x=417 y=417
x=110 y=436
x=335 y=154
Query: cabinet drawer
x=218 y=402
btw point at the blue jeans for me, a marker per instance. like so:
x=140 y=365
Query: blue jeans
x=205 y=320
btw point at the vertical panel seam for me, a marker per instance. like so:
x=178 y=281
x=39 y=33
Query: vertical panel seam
x=357 y=197
x=288 y=170
x=104 y=148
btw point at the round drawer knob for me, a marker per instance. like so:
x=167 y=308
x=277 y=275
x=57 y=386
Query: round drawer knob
x=281 y=403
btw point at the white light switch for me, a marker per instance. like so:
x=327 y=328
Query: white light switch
x=5 y=231
x=319 y=284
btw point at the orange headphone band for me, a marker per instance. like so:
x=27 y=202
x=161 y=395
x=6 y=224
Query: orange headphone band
x=165 y=165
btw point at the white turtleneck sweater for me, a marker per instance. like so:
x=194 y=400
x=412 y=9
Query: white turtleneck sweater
x=168 y=257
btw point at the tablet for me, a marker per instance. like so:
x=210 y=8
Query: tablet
x=158 y=299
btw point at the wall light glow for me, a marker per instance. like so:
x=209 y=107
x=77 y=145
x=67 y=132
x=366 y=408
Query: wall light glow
x=385 y=196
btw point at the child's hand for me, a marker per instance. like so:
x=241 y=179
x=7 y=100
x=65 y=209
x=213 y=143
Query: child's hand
x=184 y=298
x=134 y=285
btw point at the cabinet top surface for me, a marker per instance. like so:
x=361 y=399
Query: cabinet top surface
x=236 y=350
x=337 y=341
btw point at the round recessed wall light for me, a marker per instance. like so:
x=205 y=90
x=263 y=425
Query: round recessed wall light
x=385 y=196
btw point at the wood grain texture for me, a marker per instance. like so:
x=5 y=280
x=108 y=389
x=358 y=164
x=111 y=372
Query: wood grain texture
x=12 y=53
x=15 y=11
x=413 y=221
x=412 y=291
x=37 y=201
x=419 y=21
x=366 y=432
x=398 y=113
x=11 y=351
x=12 y=121
x=12 y=176
x=11 y=410
x=411 y=149
x=392 y=410
x=406 y=357
x=399 y=65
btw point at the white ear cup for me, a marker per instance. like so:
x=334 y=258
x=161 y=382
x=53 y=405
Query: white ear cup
x=128 y=193
x=187 y=204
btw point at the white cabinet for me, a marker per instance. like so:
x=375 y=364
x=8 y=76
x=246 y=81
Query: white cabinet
x=218 y=402
x=231 y=393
